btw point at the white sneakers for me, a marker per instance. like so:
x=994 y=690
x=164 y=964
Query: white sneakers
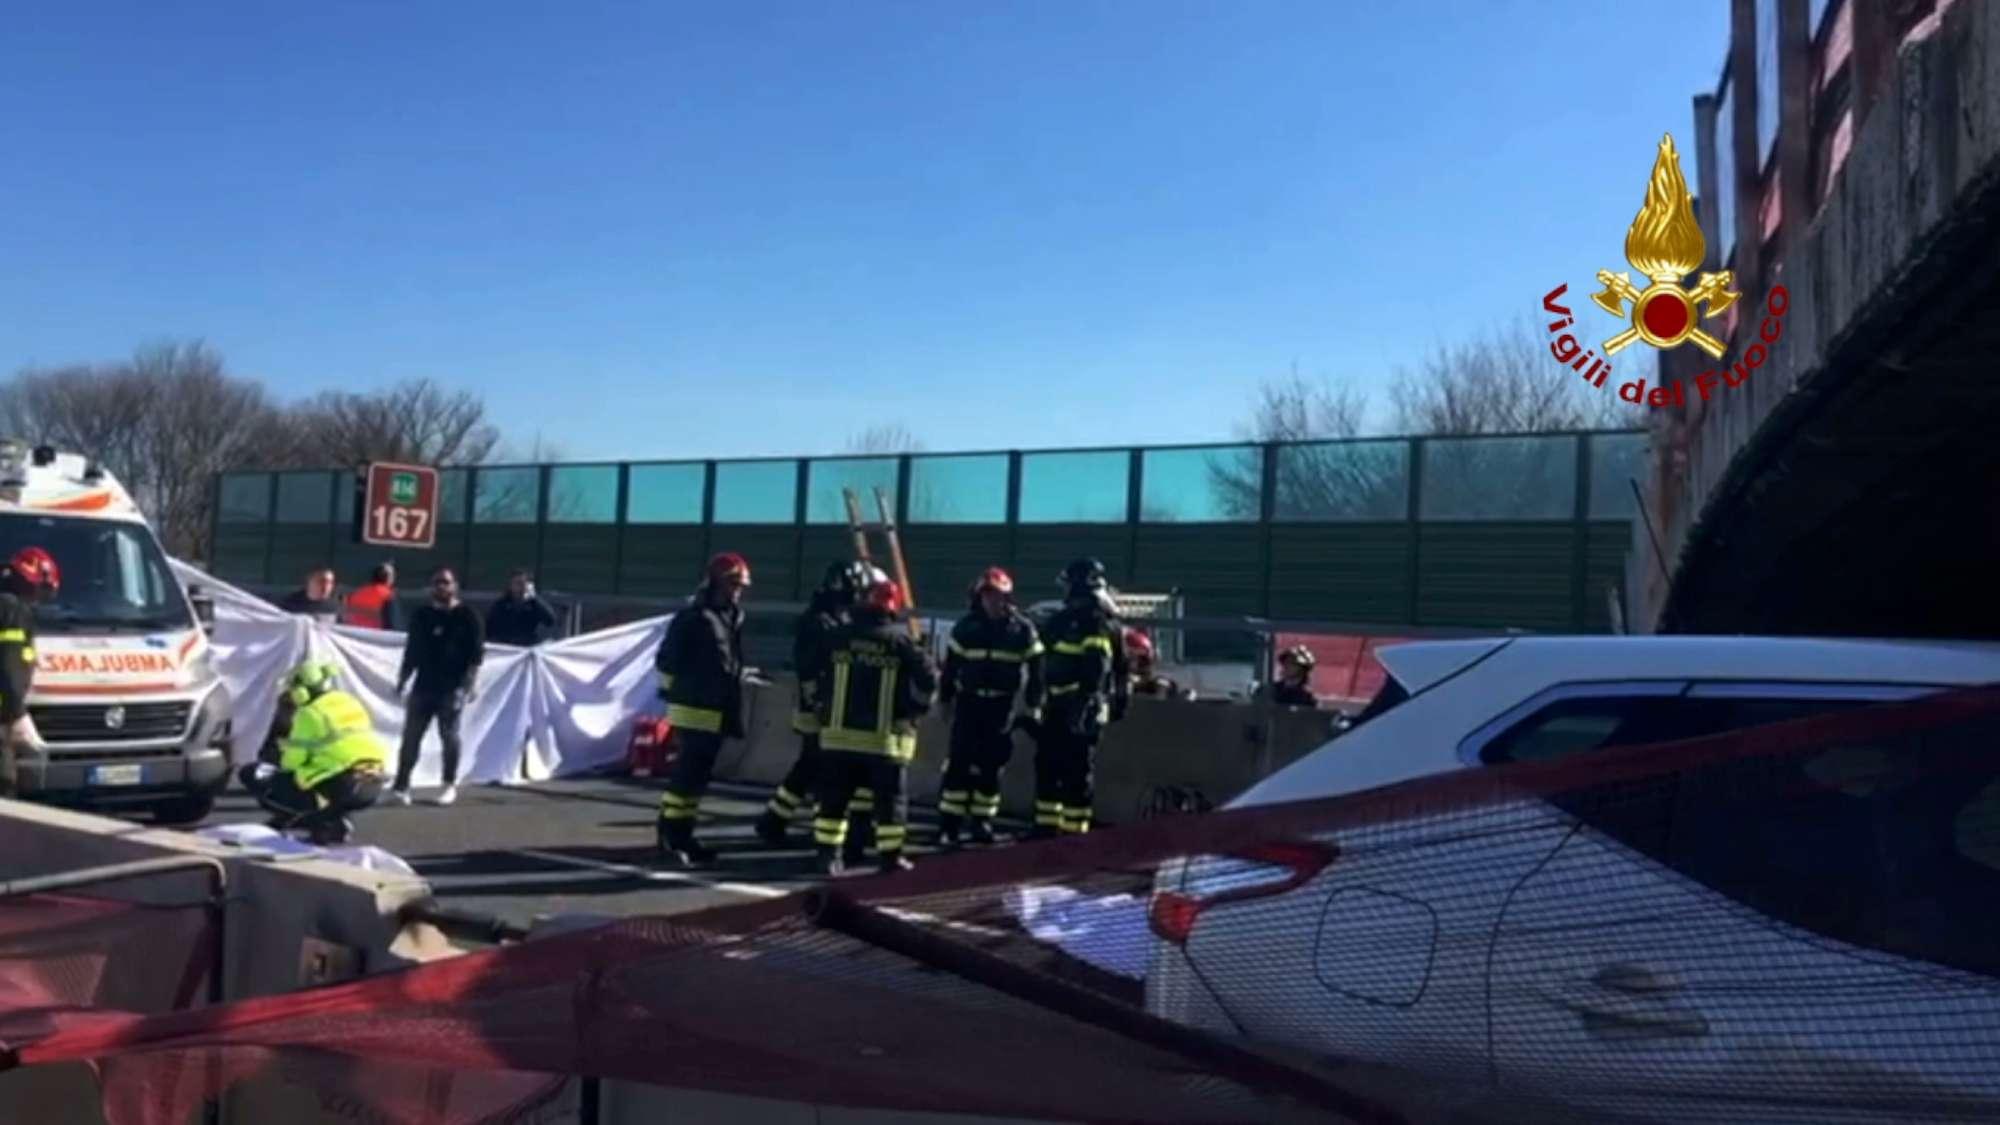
x=447 y=795
x=400 y=796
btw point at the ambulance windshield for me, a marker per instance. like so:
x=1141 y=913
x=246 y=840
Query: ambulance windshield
x=114 y=575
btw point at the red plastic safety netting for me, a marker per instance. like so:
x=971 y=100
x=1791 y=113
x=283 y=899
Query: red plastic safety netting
x=1794 y=922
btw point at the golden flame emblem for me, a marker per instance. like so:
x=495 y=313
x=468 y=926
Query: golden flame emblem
x=1665 y=244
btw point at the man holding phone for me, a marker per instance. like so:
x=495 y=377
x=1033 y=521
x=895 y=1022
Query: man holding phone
x=519 y=618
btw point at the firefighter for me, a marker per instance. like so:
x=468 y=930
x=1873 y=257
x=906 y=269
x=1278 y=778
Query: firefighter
x=1294 y=686
x=991 y=652
x=330 y=761
x=876 y=684
x=829 y=609
x=1088 y=687
x=31 y=578
x=701 y=678
x=1146 y=678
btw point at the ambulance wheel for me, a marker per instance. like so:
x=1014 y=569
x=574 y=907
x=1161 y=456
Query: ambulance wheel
x=190 y=809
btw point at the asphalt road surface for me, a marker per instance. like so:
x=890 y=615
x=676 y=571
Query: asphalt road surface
x=580 y=847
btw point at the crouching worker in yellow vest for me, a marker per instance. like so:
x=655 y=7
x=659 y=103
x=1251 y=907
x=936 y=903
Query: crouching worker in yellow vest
x=331 y=763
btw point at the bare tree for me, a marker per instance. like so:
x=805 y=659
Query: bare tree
x=1315 y=481
x=164 y=423
x=1502 y=381
x=418 y=422
x=889 y=437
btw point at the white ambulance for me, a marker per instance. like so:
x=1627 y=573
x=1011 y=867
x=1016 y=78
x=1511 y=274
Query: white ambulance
x=128 y=711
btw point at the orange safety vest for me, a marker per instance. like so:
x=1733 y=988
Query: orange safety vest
x=364 y=606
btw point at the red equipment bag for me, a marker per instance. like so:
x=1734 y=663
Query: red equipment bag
x=651 y=750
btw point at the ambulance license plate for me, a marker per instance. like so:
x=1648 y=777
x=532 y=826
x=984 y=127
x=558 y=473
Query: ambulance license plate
x=118 y=775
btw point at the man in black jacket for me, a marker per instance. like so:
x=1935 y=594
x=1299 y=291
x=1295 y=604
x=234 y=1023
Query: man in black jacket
x=876 y=685
x=1089 y=686
x=701 y=678
x=443 y=651
x=519 y=618
x=992 y=650
x=315 y=597
x=828 y=611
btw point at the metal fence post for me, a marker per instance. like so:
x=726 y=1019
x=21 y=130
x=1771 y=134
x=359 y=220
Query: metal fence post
x=1267 y=511
x=1014 y=509
x=1580 y=535
x=1413 y=512
x=618 y=528
x=1135 y=484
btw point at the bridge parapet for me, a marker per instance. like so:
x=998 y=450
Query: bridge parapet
x=1897 y=113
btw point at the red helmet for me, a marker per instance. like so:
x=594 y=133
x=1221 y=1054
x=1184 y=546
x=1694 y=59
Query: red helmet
x=729 y=566
x=37 y=568
x=993 y=579
x=1138 y=644
x=882 y=594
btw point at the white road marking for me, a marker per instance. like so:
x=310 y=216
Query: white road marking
x=748 y=890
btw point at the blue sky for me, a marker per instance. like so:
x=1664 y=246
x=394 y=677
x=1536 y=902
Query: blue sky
x=722 y=229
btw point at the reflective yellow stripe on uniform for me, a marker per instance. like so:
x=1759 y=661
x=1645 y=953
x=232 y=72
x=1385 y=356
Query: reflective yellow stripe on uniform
x=695 y=718
x=953 y=802
x=862 y=803
x=678 y=806
x=13 y=636
x=889 y=837
x=1065 y=689
x=985 y=806
x=1078 y=648
x=666 y=680
x=1049 y=814
x=829 y=833
x=1035 y=649
x=899 y=746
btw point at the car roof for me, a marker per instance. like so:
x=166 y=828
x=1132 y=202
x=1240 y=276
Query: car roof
x=1457 y=686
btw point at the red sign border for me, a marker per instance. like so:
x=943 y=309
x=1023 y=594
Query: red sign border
x=430 y=525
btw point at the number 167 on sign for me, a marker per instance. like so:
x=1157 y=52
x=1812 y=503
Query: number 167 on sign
x=399 y=506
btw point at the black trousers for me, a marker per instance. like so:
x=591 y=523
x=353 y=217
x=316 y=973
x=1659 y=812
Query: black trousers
x=796 y=791
x=1065 y=768
x=426 y=706
x=846 y=774
x=326 y=803
x=982 y=740
x=694 y=766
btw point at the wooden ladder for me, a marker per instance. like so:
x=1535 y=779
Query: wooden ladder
x=887 y=526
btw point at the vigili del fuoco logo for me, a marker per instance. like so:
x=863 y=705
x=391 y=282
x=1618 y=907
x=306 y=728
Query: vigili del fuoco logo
x=1664 y=244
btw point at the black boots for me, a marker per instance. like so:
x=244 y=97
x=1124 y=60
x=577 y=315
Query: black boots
x=770 y=828
x=981 y=833
x=950 y=830
x=677 y=845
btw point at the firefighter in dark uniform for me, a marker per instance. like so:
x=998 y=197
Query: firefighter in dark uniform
x=876 y=685
x=31 y=578
x=701 y=678
x=828 y=611
x=1146 y=677
x=1088 y=687
x=992 y=651
x=1294 y=686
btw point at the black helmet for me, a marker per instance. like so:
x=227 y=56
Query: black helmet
x=844 y=581
x=1083 y=576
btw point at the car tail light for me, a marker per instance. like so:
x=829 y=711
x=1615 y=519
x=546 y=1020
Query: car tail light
x=1260 y=872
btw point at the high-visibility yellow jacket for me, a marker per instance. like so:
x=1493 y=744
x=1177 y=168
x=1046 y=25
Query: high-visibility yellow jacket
x=329 y=736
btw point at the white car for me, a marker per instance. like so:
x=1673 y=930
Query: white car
x=1809 y=937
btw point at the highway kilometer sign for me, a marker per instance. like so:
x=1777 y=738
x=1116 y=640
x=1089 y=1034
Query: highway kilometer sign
x=399 y=506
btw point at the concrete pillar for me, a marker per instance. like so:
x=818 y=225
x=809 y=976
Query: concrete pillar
x=1874 y=49
x=1706 y=177
x=1794 y=122
x=1743 y=139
